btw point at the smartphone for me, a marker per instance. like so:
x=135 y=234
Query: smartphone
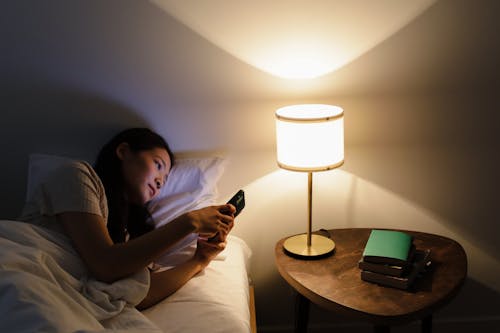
x=238 y=201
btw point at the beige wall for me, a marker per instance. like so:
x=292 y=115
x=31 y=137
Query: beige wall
x=421 y=122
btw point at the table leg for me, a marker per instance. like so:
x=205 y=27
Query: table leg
x=427 y=324
x=381 y=329
x=301 y=313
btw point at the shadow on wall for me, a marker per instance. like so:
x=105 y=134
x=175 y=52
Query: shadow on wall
x=479 y=298
x=52 y=120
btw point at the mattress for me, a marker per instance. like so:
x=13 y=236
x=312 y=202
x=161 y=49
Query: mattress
x=215 y=300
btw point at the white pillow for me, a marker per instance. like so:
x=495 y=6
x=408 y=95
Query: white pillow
x=191 y=184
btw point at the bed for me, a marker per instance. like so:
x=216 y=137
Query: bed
x=41 y=289
x=225 y=306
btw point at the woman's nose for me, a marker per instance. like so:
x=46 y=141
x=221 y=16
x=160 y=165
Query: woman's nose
x=158 y=183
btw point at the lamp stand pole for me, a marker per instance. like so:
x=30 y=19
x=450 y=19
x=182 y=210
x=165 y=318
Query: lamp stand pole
x=309 y=207
x=309 y=246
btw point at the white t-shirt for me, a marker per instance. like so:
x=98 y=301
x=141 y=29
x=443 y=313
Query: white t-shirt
x=73 y=187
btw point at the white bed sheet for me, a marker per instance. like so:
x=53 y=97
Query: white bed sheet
x=216 y=300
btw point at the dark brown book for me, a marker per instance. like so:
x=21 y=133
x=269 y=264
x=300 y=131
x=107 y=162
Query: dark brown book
x=382 y=267
x=385 y=269
x=421 y=260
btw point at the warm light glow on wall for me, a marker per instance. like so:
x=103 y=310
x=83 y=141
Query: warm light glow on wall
x=295 y=39
x=310 y=137
x=299 y=60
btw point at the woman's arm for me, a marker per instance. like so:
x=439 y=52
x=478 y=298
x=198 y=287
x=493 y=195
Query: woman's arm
x=165 y=283
x=108 y=261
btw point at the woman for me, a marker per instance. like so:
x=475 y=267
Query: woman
x=103 y=211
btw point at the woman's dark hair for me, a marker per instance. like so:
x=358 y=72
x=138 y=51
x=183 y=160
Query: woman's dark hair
x=124 y=216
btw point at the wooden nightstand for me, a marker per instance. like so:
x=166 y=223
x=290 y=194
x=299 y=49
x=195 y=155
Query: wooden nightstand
x=334 y=283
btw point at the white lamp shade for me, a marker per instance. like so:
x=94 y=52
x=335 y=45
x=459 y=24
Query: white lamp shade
x=310 y=137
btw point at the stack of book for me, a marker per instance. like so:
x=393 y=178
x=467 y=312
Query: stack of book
x=390 y=259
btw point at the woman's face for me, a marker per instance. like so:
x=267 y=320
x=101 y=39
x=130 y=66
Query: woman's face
x=144 y=172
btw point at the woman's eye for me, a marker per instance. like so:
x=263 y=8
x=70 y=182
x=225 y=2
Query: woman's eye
x=158 y=165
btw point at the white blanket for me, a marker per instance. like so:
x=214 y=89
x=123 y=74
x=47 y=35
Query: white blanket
x=44 y=287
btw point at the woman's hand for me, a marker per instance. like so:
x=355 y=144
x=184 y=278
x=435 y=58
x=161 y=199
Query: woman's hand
x=211 y=220
x=206 y=251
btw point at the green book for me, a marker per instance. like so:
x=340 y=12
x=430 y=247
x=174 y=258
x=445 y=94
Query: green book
x=388 y=247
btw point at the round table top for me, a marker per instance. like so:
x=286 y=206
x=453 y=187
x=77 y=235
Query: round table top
x=334 y=283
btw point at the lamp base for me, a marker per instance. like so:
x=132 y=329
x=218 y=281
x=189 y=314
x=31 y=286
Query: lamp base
x=296 y=246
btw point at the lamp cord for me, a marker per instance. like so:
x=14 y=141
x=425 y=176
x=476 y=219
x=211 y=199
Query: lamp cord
x=323 y=232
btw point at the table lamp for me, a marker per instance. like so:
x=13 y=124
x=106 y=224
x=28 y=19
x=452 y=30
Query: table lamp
x=309 y=137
